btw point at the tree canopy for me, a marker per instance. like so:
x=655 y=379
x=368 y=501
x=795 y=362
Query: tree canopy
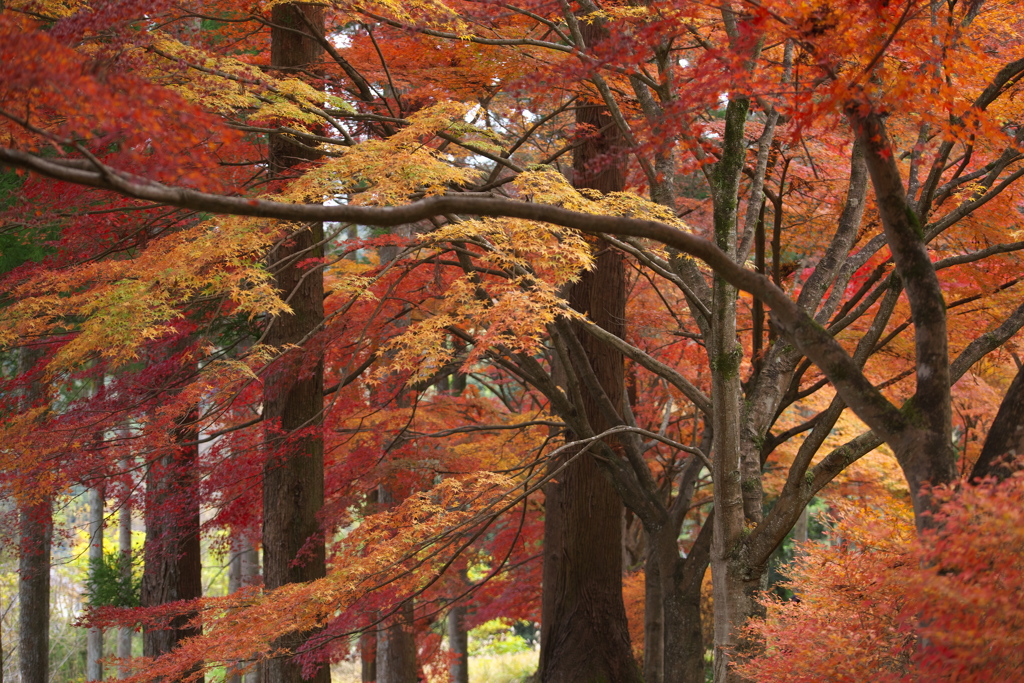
x=540 y=307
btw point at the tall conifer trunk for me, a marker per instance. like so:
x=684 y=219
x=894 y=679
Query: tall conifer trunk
x=124 y=543
x=34 y=592
x=585 y=638
x=94 y=636
x=173 y=565
x=36 y=534
x=293 y=483
x=396 y=648
x=458 y=644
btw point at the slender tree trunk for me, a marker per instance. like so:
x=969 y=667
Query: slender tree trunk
x=94 y=636
x=396 y=637
x=36 y=535
x=34 y=592
x=243 y=567
x=124 y=542
x=368 y=656
x=584 y=634
x=173 y=568
x=735 y=583
x=293 y=482
x=458 y=644
x=250 y=564
x=234 y=584
x=682 y=581
x=654 y=617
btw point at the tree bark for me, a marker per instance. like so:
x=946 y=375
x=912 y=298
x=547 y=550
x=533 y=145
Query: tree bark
x=36 y=526
x=654 y=614
x=923 y=444
x=243 y=569
x=94 y=636
x=250 y=564
x=735 y=583
x=293 y=478
x=396 y=648
x=124 y=543
x=173 y=565
x=681 y=580
x=1005 y=441
x=458 y=644
x=584 y=634
x=368 y=656
x=36 y=535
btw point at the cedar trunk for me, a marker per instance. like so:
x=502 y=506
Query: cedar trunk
x=458 y=644
x=124 y=546
x=36 y=531
x=396 y=648
x=173 y=564
x=293 y=483
x=584 y=636
x=94 y=636
x=34 y=592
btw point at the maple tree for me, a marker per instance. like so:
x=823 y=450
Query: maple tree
x=181 y=154
x=861 y=598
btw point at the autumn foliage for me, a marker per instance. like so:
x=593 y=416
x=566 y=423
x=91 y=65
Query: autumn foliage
x=878 y=602
x=814 y=214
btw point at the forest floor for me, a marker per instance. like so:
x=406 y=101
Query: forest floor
x=512 y=667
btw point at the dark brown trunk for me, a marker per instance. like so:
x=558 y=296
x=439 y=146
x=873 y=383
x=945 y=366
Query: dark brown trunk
x=681 y=595
x=584 y=635
x=1004 y=444
x=458 y=644
x=34 y=592
x=293 y=484
x=36 y=535
x=173 y=567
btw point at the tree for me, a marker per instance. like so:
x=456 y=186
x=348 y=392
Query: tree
x=818 y=103
x=584 y=632
x=36 y=534
x=862 y=596
x=293 y=488
x=173 y=566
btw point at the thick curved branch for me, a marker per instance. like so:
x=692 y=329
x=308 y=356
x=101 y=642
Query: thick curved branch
x=811 y=339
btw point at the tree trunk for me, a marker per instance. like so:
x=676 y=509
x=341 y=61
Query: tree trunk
x=1005 y=440
x=173 y=566
x=368 y=656
x=94 y=636
x=293 y=478
x=36 y=535
x=243 y=568
x=681 y=580
x=654 y=617
x=584 y=634
x=735 y=583
x=34 y=591
x=124 y=543
x=250 y=563
x=396 y=648
x=458 y=644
